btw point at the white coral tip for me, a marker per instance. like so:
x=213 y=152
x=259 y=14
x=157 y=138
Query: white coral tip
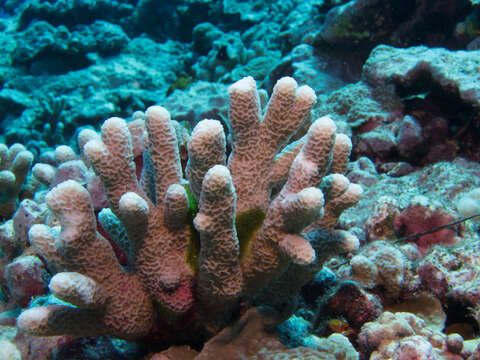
x=158 y=113
x=243 y=85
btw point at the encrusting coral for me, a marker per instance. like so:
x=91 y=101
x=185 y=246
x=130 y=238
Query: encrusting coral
x=204 y=246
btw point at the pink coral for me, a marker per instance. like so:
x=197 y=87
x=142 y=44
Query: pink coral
x=202 y=243
x=419 y=217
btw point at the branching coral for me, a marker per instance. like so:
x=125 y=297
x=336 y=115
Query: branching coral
x=15 y=163
x=203 y=244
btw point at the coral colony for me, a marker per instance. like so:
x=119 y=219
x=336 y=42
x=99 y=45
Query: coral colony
x=168 y=191
x=246 y=238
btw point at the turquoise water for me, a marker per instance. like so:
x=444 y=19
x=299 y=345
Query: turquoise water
x=262 y=231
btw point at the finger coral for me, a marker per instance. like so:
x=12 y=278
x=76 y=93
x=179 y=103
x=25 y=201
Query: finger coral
x=15 y=163
x=204 y=244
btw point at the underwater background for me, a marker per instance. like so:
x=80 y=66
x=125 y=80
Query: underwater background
x=396 y=272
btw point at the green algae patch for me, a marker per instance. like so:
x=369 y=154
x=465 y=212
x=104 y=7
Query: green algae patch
x=192 y=203
x=247 y=224
x=193 y=248
x=193 y=243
